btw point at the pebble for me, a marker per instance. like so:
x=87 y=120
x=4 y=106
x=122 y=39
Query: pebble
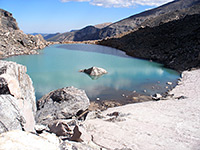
x=169 y=83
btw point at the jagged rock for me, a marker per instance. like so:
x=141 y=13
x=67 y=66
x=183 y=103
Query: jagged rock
x=60 y=128
x=76 y=135
x=15 y=81
x=7 y=20
x=11 y=116
x=13 y=41
x=94 y=71
x=61 y=104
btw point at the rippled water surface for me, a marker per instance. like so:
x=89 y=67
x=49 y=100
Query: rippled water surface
x=57 y=66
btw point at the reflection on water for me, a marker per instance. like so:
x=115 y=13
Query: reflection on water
x=57 y=66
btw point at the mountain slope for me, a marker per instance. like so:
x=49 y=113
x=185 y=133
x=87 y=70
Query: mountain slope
x=87 y=33
x=175 y=44
x=146 y=18
x=134 y=21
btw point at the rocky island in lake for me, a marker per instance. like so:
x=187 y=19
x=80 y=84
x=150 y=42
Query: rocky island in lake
x=66 y=119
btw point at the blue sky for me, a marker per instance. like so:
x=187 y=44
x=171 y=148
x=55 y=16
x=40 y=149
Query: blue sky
x=51 y=16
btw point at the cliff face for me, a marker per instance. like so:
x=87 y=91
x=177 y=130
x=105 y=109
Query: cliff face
x=7 y=21
x=13 y=41
x=175 y=44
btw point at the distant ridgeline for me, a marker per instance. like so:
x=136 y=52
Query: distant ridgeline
x=13 y=41
x=154 y=17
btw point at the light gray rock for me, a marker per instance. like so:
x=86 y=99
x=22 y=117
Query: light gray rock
x=94 y=71
x=11 y=117
x=61 y=104
x=20 y=140
x=15 y=81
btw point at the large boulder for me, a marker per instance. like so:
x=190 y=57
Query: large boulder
x=61 y=104
x=11 y=117
x=15 y=81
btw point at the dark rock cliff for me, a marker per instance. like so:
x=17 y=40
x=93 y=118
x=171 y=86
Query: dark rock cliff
x=175 y=44
x=13 y=41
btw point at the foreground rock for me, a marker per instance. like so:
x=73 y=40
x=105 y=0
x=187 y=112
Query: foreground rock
x=13 y=41
x=61 y=104
x=94 y=71
x=169 y=124
x=15 y=81
x=20 y=140
x=11 y=117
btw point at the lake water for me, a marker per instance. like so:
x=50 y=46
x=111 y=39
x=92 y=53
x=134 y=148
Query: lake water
x=58 y=66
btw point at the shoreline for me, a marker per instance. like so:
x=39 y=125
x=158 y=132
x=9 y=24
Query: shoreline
x=169 y=124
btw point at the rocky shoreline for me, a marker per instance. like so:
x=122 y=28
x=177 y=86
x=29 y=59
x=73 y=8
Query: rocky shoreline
x=65 y=119
x=143 y=125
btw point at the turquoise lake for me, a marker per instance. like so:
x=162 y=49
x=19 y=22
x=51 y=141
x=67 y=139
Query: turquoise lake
x=58 y=66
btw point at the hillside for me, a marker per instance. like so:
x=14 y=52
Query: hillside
x=13 y=41
x=146 y=18
x=134 y=21
x=175 y=44
x=87 y=33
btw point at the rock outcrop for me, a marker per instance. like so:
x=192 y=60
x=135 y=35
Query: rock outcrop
x=94 y=71
x=61 y=104
x=15 y=81
x=13 y=41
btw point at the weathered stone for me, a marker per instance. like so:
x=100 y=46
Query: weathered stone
x=76 y=135
x=11 y=116
x=94 y=71
x=41 y=128
x=16 y=82
x=156 y=96
x=20 y=140
x=61 y=104
x=60 y=128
